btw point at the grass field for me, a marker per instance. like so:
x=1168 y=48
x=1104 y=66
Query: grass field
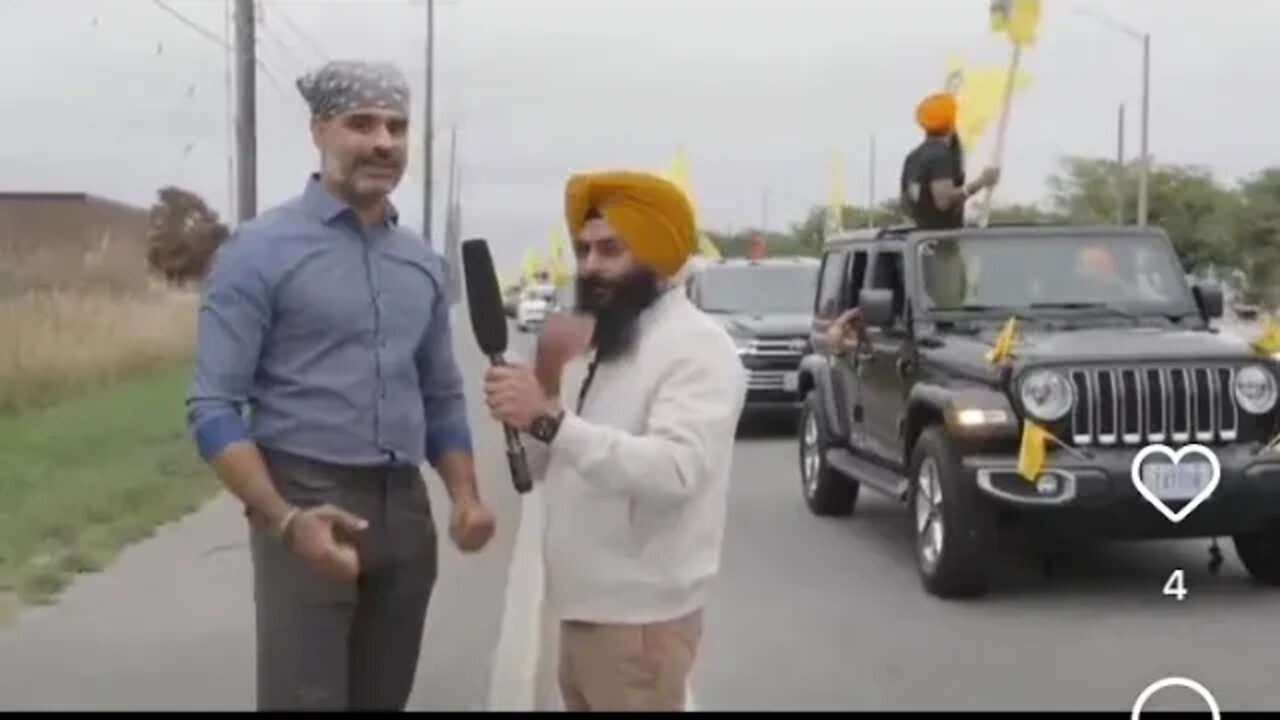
x=94 y=365
x=84 y=478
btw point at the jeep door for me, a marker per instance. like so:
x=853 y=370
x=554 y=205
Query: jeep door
x=881 y=371
x=830 y=300
x=845 y=370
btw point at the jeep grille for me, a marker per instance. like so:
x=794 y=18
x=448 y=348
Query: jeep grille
x=1142 y=405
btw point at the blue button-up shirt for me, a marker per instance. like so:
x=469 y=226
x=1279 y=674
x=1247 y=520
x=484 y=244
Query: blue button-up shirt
x=333 y=335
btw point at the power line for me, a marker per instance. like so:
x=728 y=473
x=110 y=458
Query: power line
x=270 y=33
x=306 y=38
x=213 y=37
x=1098 y=15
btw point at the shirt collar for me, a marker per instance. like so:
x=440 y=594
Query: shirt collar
x=325 y=205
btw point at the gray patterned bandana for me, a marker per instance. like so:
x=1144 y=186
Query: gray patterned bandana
x=341 y=86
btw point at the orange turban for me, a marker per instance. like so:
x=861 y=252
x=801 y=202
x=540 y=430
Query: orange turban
x=652 y=217
x=937 y=114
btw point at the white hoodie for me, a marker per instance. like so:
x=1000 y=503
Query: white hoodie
x=637 y=483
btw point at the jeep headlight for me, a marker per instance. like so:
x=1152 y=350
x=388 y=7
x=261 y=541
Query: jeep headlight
x=1046 y=395
x=1255 y=389
x=741 y=342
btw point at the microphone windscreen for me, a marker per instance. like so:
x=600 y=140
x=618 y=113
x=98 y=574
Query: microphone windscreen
x=484 y=297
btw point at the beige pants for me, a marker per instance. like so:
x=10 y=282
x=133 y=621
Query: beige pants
x=606 y=667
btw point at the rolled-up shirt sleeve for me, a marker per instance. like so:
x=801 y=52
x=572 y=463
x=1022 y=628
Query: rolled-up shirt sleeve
x=234 y=317
x=443 y=399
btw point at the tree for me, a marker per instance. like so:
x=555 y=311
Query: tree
x=1197 y=213
x=185 y=233
x=1211 y=225
x=1257 y=236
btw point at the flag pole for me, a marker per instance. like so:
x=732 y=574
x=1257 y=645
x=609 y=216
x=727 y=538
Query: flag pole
x=984 y=216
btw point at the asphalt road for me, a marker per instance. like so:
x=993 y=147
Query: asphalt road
x=169 y=626
x=821 y=614
x=809 y=614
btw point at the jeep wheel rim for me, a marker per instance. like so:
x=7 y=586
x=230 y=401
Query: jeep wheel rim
x=928 y=506
x=809 y=459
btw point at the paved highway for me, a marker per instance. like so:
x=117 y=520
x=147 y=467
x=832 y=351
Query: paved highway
x=810 y=614
x=821 y=614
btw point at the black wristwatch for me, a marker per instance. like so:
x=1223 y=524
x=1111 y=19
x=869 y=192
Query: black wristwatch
x=545 y=427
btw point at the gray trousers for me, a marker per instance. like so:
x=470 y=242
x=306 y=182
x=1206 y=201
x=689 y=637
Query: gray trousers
x=331 y=645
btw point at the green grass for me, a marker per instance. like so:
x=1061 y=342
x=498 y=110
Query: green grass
x=83 y=479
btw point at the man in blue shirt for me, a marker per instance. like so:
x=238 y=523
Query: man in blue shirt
x=329 y=322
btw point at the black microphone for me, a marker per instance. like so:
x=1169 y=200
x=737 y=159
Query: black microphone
x=489 y=322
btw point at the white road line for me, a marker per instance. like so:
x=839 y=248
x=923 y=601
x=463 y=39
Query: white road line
x=514 y=677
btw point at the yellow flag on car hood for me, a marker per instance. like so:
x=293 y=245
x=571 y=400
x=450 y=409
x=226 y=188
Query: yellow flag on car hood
x=1005 y=342
x=1031 y=456
x=1268 y=343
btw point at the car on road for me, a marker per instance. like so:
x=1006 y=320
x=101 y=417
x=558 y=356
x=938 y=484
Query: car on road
x=536 y=303
x=1114 y=351
x=766 y=305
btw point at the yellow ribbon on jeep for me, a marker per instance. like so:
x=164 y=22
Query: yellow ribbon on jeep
x=1034 y=450
x=1002 y=350
x=1268 y=343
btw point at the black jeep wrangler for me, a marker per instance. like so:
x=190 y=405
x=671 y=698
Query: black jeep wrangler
x=1115 y=352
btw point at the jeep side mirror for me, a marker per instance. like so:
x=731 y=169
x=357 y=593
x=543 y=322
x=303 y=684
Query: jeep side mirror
x=876 y=305
x=1209 y=298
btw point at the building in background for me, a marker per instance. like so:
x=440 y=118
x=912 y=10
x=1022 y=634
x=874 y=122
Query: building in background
x=37 y=222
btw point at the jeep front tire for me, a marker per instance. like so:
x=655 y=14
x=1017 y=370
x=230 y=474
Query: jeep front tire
x=953 y=527
x=1259 y=552
x=826 y=491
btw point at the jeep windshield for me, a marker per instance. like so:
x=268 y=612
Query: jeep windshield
x=758 y=289
x=1119 y=276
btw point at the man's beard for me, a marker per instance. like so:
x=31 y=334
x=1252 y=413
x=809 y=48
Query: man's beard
x=616 y=306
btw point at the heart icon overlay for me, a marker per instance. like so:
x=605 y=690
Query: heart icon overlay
x=1175 y=457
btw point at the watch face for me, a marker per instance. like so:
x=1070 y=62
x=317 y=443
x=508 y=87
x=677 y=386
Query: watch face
x=539 y=428
x=543 y=428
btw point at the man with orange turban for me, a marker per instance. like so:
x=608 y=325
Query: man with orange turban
x=636 y=475
x=933 y=180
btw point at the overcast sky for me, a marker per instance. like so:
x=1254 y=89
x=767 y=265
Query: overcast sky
x=117 y=97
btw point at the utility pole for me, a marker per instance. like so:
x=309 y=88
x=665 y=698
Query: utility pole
x=871 y=182
x=1144 y=172
x=246 y=113
x=452 y=247
x=429 y=116
x=229 y=64
x=1120 y=169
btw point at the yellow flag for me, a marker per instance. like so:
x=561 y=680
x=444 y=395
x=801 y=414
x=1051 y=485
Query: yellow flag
x=1031 y=455
x=532 y=266
x=1005 y=342
x=559 y=263
x=835 y=209
x=1019 y=19
x=979 y=93
x=678 y=173
x=1268 y=343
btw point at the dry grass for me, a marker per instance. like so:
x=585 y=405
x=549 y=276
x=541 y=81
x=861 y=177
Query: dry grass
x=94 y=359
x=72 y=324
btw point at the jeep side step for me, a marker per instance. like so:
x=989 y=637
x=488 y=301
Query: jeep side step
x=868 y=473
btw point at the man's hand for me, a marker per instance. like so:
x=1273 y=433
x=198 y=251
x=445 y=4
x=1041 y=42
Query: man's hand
x=321 y=536
x=564 y=336
x=845 y=331
x=471 y=525
x=989 y=177
x=515 y=397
